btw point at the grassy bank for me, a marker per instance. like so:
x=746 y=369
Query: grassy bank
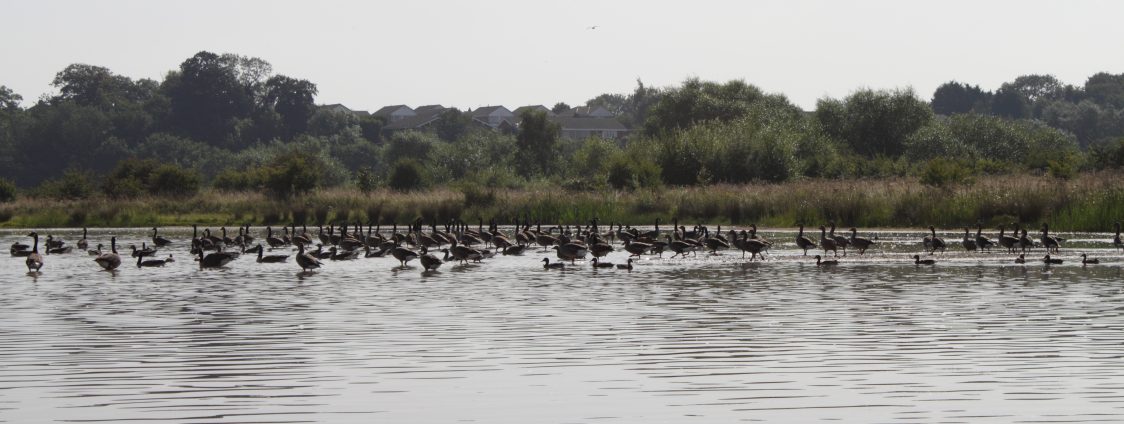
x=1088 y=202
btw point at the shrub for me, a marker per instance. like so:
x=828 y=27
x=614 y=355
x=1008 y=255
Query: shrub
x=941 y=172
x=173 y=180
x=7 y=190
x=71 y=185
x=406 y=175
x=366 y=181
x=291 y=173
x=233 y=180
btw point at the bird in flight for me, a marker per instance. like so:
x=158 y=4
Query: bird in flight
x=593 y=27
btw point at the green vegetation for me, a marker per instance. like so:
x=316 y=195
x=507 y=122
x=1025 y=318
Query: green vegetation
x=225 y=127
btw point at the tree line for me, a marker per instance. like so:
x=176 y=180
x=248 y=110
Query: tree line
x=229 y=123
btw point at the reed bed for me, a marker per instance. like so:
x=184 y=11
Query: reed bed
x=1088 y=202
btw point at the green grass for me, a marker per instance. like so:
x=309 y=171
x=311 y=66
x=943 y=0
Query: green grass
x=1088 y=202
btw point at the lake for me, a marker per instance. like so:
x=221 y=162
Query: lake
x=974 y=338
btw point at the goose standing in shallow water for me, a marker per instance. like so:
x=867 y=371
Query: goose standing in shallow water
x=932 y=242
x=83 y=244
x=860 y=243
x=34 y=259
x=428 y=261
x=827 y=243
x=305 y=260
x=804 y=242
x=968 y=242
x=109 y=261
x=982 y=242
x=1051 y=243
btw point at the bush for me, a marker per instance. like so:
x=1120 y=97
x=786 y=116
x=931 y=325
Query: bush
x=406 y=175
x=232 y=180
x=173 y=180
x=7 y=190
x=625 y=173
x=292 y=173
x=366 y=181
x=71 y=185
x=941 y=172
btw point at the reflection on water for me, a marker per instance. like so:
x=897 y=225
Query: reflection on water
x=707 y=338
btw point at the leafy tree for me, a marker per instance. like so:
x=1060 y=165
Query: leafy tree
x=537 y=144
x=366 y=180
x=208 y=95
x=407 y=174
x=953 y=97
x=7 y=190
x=1106 y=89
x=478 y=151
x=1009 y=102
x=1034 y=88
x=697 y=101
x=292 y=99
x=72 y=184
x=409 y=145
x=593 y=156
x=9 y=101
x=371 y=127
x=292 y=173
x=451 y=125
x=874 y=123
x=560 y=107
x=172 y=180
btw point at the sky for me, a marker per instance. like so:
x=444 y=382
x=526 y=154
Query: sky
x=368 y=54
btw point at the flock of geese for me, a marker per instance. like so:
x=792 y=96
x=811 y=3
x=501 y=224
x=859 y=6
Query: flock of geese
x=460 y=243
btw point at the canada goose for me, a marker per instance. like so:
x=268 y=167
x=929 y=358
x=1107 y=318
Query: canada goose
x=1024 y=241
x=652 y=235
x=1007 y=241
x=1116 y=241
x=860 y=243
x=830 y=262
x=169 y=259
x=1021 y=259
x=18 y=247
x=680 y=247
x=95 y=252
x=272 y=241
x=53 y=243
x=59 y=249
x=1050 y=242
x=429 y=262
x=515 y=250
x=627 y=265
x=840 y=241
x=753 y=246
x=403 y=255
x=109 y=261
x=305 y=260
x=968 y=242
x=714 y=244
x=247 y=238
x=932 y=242
x=262 y=258
x=144 y=251
x=599 y=264
x=253 y=250
x=83 y=243
x=1051 y=261
x=463 y=253
x=918 y=261
x=142 y=263
x=158 y=240
x=982 y=242
x=636 y=248
x=342 y=255
x=225 y=239
x=547 y=265
x=600 y=249
x=34 y=259
x=215 y=260
x=826 y=242
x=1086 y=261
x=571 y=252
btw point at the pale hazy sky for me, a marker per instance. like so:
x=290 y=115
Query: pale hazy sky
x=367 y=54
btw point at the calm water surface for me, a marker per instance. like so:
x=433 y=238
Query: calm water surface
x=975 y=338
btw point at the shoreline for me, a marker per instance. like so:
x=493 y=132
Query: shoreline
x=1087 y=202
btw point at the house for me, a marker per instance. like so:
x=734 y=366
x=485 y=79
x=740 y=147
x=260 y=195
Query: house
x=538 y=108
x=581 y=128
x=493 y=116
x=423 y=116
x=339 y=108
x=395 y=113
x=587 y=112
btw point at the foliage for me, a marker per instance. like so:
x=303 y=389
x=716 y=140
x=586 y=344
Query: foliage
x=291 y=173
x=72 y=184
x=943 y=172
x=173 y=180
x=536 y=144
x=697 y=101
x=7 y=190
x=366 y=180
x=407 y=175
x=952 y=98
x=874 y=123
x=409 y=145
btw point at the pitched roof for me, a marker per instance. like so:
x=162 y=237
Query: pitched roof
x=421 y=109
x=414 y=122
x=387 y=110
x=599 y=124
x=519 y=110
x=586 y=111
x=487 y=110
